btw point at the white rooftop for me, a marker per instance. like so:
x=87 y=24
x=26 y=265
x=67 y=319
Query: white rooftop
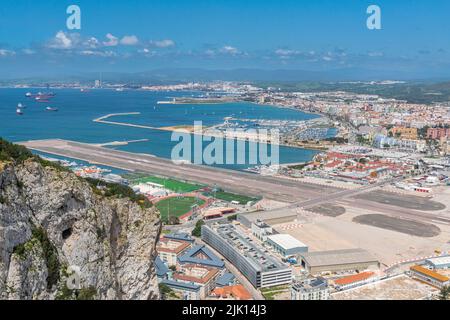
x=439 y=260
x=286 y=241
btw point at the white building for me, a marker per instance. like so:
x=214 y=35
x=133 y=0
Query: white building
x=311 y=289
x=261 y=230
x=439 y=262
x=286 y=245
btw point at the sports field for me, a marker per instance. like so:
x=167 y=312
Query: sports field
x=171 y=184
x=177 y=206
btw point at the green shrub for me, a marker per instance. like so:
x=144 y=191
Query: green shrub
x=16 y=153
x=88 y=293
x=51 y=164
x=197 y=232
x=50 y=256
x=19 y=250
x=118 y=190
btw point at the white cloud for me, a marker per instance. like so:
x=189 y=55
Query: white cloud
x=28 y=51
x=112 y=41
x=92 y=42
x=6 y=53
x=167 y=43
x=375 y=54
x=286 y=52
x=210 y=52
x=64 y=40
x=229 y=50
x=98 y=53
x=225 y=51
x=145 y=50
x=129 y=40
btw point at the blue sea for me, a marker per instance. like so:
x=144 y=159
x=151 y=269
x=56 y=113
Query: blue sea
x=77 y=109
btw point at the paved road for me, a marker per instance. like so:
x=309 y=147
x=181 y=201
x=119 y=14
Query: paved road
x=241 y=182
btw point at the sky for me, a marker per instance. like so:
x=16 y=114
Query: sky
x=142 y=35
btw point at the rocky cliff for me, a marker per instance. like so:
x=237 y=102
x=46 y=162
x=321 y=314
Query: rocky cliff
x=62 y=238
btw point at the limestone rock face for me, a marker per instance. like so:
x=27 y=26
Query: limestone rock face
x=58 y=237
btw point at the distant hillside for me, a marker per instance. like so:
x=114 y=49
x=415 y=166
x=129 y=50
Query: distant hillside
x=414 y=92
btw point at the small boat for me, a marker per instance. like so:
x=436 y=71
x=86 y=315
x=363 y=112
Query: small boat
x=51 y=109
x=20 y=106
x=19 y=111
x=28 y=94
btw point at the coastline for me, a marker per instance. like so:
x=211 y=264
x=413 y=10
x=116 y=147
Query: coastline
x=187 y=127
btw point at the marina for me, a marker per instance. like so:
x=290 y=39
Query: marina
x=76 y=111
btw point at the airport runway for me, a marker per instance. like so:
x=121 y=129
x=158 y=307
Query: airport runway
x=230 y=180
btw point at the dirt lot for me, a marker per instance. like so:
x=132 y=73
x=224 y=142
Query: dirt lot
x=388 y=246
x=328 y=209
x=414 y=228
x=398 y=288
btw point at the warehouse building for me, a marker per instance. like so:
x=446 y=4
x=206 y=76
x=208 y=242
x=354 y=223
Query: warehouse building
x=338 y=261
x=286 y=245
x=439 y=263
x=355 y=280
x=250 y=258
x=431 y=277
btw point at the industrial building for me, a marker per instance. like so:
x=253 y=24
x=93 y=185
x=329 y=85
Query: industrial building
x=286 y=245
x=337 y=260
x=310 y=289
x=439 y=263
x=431 y=277
x=355 y=280
x=250 y=258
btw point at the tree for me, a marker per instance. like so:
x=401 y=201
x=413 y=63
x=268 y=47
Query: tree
x=197 y=232
x=173 y=220
x=445 y=292
x=166 y=291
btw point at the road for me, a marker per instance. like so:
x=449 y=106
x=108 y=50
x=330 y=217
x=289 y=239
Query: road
x=230 y=180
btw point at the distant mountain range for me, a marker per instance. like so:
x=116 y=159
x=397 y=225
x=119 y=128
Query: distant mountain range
x=176 y=75
x=247 y=74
